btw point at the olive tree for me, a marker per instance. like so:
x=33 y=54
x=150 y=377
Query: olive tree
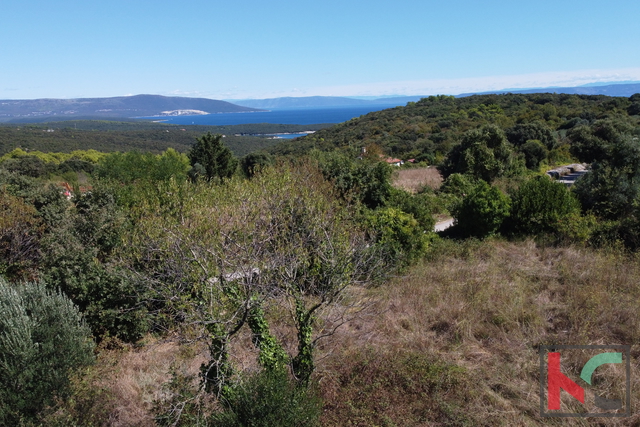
x=280 y=241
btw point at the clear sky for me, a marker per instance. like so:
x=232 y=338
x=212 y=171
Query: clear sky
x=261 y=49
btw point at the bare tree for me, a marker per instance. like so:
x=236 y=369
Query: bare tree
x=281 y=238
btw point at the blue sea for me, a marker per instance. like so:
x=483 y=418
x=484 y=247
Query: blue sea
x=300 y=116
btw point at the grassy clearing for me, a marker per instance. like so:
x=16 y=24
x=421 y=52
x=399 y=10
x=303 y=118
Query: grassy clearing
x=413 y=180
x=456 y=341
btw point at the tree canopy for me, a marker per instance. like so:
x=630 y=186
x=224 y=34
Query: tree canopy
x=211 y=159
x=483 y=153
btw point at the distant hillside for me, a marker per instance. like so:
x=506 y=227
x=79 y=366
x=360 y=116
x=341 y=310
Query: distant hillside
x=609 y=90
x=321 y=101
x=625 y=90
x=429 y=128
x=38 y=110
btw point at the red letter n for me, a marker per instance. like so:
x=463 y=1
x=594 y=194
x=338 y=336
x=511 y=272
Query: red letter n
x=557 y=380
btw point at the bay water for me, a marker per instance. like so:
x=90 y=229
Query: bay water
x=299 y=116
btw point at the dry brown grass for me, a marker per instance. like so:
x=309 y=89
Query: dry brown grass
x=413 y=180
x=486 y=309
x=121 y=388
x=139 y=375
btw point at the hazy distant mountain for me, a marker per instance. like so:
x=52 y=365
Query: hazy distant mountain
x=111 y=108
x=620 y=89
x=320 y=102
x=626 y=89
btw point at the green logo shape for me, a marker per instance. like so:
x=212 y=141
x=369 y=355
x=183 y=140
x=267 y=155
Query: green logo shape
x=596 y=361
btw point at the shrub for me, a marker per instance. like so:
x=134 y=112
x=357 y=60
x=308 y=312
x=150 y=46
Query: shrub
x=483 y=153
x=458 y=185
x=534 y=153
x=42 y=339
x=522 y=133
x=254 y=162
x=613 y=184
x=77 y=259
x=399 y=234
x=28 y=165
x=213 y=156
x=134 y=166
x=482 y=212
x=539 y=205
x=599 y=141
x=367 y=181
x=266 y=398
x=20 y=231
x=454 y=189
x=576 y=227
x=269 y=398
x=420 y=206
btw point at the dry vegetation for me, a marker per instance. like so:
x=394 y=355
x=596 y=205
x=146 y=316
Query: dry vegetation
x=415 y=179
x=477 y=314
x=454 y=342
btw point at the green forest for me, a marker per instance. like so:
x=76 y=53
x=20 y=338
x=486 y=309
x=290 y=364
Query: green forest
x=155 y=276
x=109 y=136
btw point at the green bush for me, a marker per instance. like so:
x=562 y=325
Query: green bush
x=47 y=199
x=576 y=227
x=252 y=163
x=613 y=184
x=534 y=153
x=522 y=133
x=420 y=206
x=269 y=399
x=457 y=185
x=539 y=206
x=482 y=212
x=622 y=233
x=42 y=339
x=365 y=180
x=134 y=166
x=454 y=189
x=213 y=157
x=78 y=259
x=483 y=153
x=399 y=235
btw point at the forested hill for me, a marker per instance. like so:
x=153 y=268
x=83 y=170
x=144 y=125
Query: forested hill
x=428 y=129
x=32 y=110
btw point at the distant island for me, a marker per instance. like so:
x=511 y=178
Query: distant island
x=122 y=107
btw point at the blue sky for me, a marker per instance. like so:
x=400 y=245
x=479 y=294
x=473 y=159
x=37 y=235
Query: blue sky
x=259 y=49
